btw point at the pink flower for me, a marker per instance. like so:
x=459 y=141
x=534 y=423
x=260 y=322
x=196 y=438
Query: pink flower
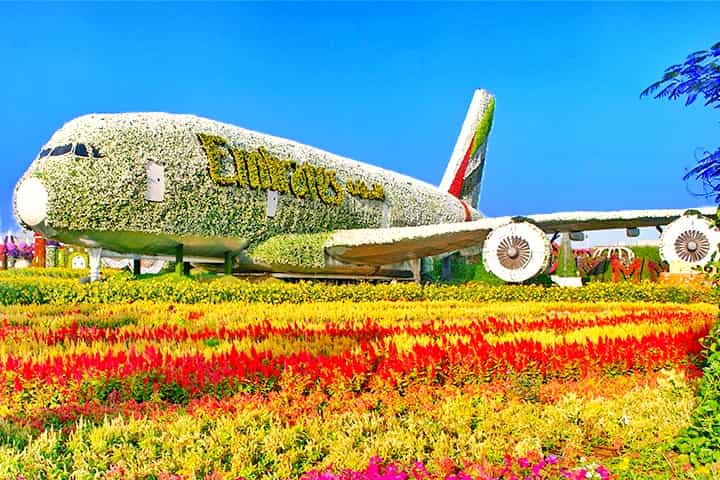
x=536 y=469
x=420 y=472
x=603 y=472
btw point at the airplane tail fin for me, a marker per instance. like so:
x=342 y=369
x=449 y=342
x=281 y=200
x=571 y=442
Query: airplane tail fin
x=463 y=175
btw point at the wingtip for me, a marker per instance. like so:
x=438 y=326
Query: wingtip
x=483 y=91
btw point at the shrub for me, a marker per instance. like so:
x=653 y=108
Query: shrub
x=701 y=440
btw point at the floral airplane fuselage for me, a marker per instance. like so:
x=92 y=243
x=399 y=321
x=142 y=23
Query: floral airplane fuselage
x=143 y=184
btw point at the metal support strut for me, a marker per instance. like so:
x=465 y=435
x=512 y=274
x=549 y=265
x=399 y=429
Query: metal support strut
x=446 y=268
x=179 y=265
x=136 y=266
x=228 y=263
x=415 y=265
x=94 y=254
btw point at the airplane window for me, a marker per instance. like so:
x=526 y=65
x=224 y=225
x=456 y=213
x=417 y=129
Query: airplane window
x=155 y=182
x=95 y=152
x=81 y=150
x=61 y=150
x=44 y=153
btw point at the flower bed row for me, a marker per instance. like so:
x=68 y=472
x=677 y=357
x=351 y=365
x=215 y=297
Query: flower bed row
x=18 y=289
x=186 y=352
x=286 y=433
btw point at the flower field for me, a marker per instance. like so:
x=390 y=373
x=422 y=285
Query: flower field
x=60 y=286
x=365 y=390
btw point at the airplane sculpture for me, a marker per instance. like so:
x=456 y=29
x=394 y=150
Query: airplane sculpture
x=179 y=186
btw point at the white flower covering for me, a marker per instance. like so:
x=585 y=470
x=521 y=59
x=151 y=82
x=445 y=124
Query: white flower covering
x=599 y=220
x=108 y=194
x=103 y=200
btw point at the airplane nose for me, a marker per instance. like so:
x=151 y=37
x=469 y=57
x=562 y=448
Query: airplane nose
x=31 y=201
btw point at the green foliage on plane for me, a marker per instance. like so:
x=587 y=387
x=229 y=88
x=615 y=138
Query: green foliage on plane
x=304 y=250
x=483 y=129
x=262 y=171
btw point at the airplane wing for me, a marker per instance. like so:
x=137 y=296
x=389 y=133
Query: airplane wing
x=391 y=245
x=580 y=221
x=382 y=246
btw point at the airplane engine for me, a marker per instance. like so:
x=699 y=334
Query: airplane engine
x=690 y=239
x=516 y=252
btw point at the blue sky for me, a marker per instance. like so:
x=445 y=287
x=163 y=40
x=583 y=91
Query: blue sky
x=387 y=84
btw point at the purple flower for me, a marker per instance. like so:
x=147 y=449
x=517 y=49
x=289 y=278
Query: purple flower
x=459 y=476
x=419 y=471
x=524 y=462
x=603 y=472
x=536 y=469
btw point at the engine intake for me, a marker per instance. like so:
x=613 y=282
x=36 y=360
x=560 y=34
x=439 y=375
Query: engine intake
x=690 y=239
x=516 y=252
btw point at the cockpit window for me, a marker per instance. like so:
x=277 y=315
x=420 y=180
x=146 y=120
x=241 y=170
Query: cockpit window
x=44 y=153
x=81 y=150
x=61 y=150
x=95 y=152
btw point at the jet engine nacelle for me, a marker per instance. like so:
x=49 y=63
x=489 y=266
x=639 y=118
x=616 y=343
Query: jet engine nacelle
x=690 y=239
x=516 y=252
